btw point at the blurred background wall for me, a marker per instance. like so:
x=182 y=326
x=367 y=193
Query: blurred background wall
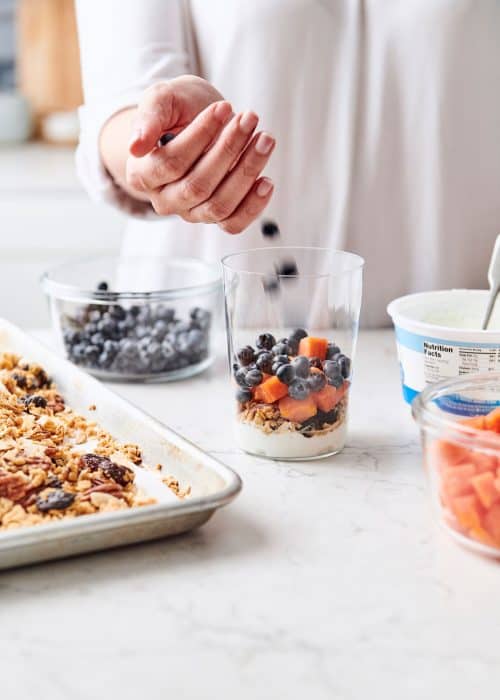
x=45 y=216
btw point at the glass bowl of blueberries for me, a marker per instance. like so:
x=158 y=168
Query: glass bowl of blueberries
x=136 y=318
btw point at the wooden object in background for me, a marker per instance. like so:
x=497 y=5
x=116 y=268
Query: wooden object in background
x=48 y=61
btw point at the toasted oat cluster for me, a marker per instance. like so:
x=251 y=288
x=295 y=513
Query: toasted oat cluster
x=268 y=418
x=55 y=463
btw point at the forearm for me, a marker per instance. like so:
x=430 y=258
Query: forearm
x=114 y=148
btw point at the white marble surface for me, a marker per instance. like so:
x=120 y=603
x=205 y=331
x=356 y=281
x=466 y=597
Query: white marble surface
x=322 y=580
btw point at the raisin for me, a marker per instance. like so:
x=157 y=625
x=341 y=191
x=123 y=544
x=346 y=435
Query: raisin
x=54 y=482
x=35 y=400
x=117 y=472
x=20 y=380
x=55 y=500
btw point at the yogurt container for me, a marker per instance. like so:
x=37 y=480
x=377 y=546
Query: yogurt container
x=439 y=336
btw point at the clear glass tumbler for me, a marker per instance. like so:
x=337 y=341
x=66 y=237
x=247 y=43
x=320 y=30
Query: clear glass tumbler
x=292 y=319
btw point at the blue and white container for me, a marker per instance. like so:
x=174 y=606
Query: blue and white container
x=439 y=337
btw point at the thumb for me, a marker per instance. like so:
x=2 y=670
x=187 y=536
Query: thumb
x=156 y=114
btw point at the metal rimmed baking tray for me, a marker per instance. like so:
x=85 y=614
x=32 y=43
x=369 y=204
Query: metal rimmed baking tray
x=212 y=483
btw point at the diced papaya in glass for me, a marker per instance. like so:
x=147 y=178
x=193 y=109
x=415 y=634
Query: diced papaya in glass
x=480 y=534
x=447 y=454
x=492 y=420
x=327 y=398
x=313 y=347
x=483 y=462
x=467 y=510
x=297 y=411
x=484 y=486
x=457 y=480
x=270 y=390
x=491 y=522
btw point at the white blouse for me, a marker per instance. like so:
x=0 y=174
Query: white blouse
x=386 y=115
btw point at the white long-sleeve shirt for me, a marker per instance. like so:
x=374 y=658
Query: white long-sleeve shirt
x=386 y=115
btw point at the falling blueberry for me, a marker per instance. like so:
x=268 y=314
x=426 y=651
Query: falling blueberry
x=271 y=284
x=102 y=287
x=269 y=229
x=287 y=268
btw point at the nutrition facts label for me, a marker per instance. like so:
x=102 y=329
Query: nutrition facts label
x=442 y=361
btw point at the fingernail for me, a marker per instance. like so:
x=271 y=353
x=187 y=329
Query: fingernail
x=264 y=144
x=264 y=187
x=248 y=122
x=136 y=135
x=223 y=111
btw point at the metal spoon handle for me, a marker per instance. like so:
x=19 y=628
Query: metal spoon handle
x=494 y=280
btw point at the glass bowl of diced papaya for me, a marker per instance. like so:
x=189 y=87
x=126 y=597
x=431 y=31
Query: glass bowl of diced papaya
x=460 y=427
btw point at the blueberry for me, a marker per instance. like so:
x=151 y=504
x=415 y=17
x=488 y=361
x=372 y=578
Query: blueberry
x=286 y=373
x=243 y=395
x=102 y=287
x=298 y=334
x=316 y=362
x=345 y=365
x=287 y=268
x=301 y=366
x=281 y=349
x=299 y=389
x=271 y=284
x=78 y=352
x=141 y=331
x=128 y=347
x=253 y=377
x=117 y=312
x=331 y=368
x=331 y=351
x=265 y=362
x=265 y=341
x=108 y=327
x=105 y=359
x=240 y=376
x=336 y=381
x=134 y=311
x=201 y=317
x=91 y=354
x=246 y=355
x=269 y=229
x=94 y=316
x=97 y=339
x=165 y=138
x=316 y=381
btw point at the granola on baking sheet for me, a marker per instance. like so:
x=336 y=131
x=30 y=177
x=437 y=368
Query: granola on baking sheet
x=55 y=463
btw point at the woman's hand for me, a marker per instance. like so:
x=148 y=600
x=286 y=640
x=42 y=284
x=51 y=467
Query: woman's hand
x=210 y=172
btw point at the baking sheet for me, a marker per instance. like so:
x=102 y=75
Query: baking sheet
x=213 y=484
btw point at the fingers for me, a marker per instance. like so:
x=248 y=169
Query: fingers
x=250 y=208
x=155 y=114
x=209 y=171
x=169 y=163
x=234 y=188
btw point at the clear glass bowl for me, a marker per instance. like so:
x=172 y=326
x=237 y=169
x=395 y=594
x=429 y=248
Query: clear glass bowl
x=136 y=318
x=292 y=321
x=459 y=421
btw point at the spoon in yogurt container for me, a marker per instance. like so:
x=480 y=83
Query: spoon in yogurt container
x=494 y=282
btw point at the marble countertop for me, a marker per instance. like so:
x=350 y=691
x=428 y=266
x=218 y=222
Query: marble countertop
x=325 y=579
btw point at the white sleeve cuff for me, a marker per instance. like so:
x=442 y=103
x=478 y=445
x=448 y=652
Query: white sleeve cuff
x=90 y=169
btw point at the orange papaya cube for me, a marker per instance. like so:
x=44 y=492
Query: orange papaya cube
x=484 y=486
x=297 y=411
x=447 y=454
x=491 y=522
x=492 y=420
x=270 y=390
x=313 y=347
x=327 y=398
x=467 y=511
x=481 y=535
x=457 y=480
